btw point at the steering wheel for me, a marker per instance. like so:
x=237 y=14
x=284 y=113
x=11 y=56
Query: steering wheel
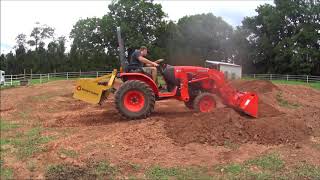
x=159 y=61
x=162 y=66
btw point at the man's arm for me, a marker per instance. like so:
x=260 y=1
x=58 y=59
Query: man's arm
x=147 y=61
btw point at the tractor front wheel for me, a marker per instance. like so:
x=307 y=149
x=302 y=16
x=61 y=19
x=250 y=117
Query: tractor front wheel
x=204 y=102
x=135 y=99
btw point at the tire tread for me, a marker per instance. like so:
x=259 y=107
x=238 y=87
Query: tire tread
x=135 y=84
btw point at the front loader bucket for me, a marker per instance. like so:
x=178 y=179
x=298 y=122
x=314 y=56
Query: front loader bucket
x=249 y=104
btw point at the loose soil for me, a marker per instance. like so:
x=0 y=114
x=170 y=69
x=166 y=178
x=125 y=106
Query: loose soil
x=172 y=136
x=226 y=125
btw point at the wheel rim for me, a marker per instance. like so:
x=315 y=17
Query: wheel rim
x=207 y=104
x=134 y=100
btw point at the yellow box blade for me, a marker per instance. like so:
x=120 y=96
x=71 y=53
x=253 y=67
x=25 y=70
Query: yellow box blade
x=88 y=91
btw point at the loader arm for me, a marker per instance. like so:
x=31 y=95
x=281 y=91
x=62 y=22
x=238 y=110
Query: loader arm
x=213 y=81
x=246 y=102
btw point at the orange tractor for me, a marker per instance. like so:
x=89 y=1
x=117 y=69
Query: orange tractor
x=195 y=86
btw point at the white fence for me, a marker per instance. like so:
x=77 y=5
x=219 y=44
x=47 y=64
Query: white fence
x=302 y=78
x=13 y=80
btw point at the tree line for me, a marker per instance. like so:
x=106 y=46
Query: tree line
x=283 y=38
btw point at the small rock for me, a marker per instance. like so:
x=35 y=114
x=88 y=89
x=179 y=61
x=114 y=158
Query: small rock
x=297 y=146
x=62 y=156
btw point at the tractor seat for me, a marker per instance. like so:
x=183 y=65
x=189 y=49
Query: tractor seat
x=135 y=69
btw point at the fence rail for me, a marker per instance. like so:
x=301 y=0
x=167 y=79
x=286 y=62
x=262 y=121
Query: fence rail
x=42 y=78
x=302 y=78
x=13 y=80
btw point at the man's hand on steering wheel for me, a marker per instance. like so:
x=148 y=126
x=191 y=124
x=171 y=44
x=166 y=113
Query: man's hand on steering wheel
x=154 y=64
x=159 y=61
x=161 y=66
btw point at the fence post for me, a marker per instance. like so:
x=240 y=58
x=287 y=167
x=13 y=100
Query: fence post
x=80 y=73
x=11 y=80
x=307 y=79
x=40 y=79
x=254 y=76
x=48 y=76
x=67 y=76
x=287 y=77
x=97 y=74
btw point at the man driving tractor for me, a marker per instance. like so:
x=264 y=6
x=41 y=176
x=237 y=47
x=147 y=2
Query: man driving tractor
x=194 y=85
x=138 y=59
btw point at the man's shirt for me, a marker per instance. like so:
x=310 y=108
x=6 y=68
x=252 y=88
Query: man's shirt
x=134 y=59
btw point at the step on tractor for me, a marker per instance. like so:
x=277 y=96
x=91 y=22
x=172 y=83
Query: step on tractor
x=197 y=87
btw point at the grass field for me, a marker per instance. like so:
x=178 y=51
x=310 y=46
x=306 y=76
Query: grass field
x=313 y=85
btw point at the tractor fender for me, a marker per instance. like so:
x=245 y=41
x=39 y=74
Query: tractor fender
x=140 y=77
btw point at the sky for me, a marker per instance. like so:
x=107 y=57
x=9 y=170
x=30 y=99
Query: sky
x=20 y=16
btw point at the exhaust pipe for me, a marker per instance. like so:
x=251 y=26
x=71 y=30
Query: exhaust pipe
x=123 y=61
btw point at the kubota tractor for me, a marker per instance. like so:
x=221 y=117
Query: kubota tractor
x=195 y=86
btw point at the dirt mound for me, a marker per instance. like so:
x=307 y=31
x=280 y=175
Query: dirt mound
x=227 y=125
x=267 y=110
x=259 y=86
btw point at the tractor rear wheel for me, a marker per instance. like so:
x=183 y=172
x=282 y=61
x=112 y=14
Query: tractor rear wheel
x=204 y=102
x=135 y=99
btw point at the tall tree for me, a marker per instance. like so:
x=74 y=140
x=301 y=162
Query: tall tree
x=88 y=50
x=39 y=34
x=197 y=38
x=241 y=50
x=3 y=62
x=285 y=37
x=21 y=44
x=140 y=22
x=11 y=63
x=21 y=40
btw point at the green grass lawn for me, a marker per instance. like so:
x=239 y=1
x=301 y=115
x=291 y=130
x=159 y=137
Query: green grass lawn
x=266 y=166
x=313 y=85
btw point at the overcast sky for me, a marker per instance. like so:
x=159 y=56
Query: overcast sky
x=20 y=16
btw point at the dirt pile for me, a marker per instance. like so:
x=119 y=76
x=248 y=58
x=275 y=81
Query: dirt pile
x=258 y=86
x=57 y=108
x=181 y=125
x=227 y=125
